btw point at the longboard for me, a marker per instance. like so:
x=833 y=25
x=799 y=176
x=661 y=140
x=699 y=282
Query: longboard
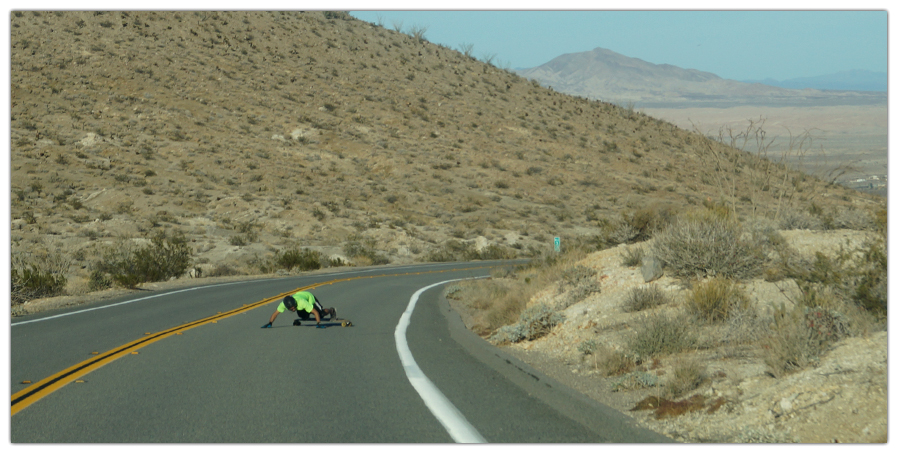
x=333 y=323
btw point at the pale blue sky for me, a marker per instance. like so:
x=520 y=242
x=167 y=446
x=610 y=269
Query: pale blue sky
x=739 y=45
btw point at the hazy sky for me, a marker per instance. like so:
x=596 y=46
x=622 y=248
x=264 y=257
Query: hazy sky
x=739 y=45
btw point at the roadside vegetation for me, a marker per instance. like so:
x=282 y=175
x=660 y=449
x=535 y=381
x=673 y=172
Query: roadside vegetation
x=714 y=255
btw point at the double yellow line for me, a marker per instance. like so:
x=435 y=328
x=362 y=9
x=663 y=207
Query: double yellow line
x=25 y=397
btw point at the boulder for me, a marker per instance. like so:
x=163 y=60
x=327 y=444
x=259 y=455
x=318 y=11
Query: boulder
x=651 y=268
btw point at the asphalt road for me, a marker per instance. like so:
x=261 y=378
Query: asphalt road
x=178 y=368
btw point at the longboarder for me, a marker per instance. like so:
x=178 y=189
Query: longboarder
x=304 y=303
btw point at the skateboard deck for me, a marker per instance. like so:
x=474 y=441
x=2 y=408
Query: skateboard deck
x=331 y=323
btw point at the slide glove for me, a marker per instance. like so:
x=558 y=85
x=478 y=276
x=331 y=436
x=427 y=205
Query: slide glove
x=320 y=326
x=268 y=325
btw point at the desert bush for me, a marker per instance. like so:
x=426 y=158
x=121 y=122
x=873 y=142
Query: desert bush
x=495 y=252
x=98 y=280
x=792 y=219
x=611 y=362
x=641 y=298
x=534 y=323
x=580 y=282
x=648 y=220
x=857 y=277
x=708 y=244
x=128 y=265
x=221 y=270
x=870 y=290
x=634 y=380
x=302 y=259
x=716 y=299
x=661 y=334
x=845 y=218
x=452 y=251
x=238 y=240
x=363 y=251
x=687 y=374
x=632 y=257
x=588 y=347
x=790 y=345
x=745 y=326
x=37 y=276
x=615 y=232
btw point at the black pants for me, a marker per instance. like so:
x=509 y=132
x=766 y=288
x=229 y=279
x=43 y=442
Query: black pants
x=303 y=315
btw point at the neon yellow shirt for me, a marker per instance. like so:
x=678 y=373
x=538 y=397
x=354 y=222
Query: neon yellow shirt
x=305 y=301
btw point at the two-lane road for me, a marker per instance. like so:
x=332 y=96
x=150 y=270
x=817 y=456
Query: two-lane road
x=178 y=368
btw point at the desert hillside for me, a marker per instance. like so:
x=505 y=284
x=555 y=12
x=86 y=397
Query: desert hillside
x=146 y=146
x=252 y=133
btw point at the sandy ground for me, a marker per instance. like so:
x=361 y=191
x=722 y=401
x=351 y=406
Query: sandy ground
x=840 y=134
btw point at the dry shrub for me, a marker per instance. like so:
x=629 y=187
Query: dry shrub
x=641 y=298
x=222 y=270
x=129 y=264
x=662 y=334
x=581 y=283
x=533 y=323
x=507 y=308
x=716 y=299
x=857 y=277
x=686 y=375
x=746 y=326
x=788 y=347
x=792 y=219
x=632 y=257
x=38 y=275
x=612 y=362
x=502 y=300
x=798 y=336
x=708 y=244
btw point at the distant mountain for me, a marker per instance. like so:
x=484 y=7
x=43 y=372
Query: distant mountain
x=850 y=80
x=605 y=75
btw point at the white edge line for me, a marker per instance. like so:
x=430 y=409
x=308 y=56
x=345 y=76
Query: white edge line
x=447 y=414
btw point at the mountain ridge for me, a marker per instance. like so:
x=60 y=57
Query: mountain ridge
x=603 y=74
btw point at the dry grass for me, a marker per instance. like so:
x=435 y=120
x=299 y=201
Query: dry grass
x=716 y=300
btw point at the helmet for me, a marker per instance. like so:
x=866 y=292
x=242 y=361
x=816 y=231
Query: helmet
x=290 y=302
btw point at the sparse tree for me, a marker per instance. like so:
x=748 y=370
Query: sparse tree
x=466 y=49
x=418 y=32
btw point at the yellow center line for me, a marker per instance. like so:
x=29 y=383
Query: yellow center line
x=25 y=397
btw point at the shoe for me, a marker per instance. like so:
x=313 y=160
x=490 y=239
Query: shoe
x=297 y=323
x=333 y=314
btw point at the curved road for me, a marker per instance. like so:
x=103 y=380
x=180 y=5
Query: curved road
x=194 y=366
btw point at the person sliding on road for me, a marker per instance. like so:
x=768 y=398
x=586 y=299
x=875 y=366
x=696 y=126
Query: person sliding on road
x=305 y=304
